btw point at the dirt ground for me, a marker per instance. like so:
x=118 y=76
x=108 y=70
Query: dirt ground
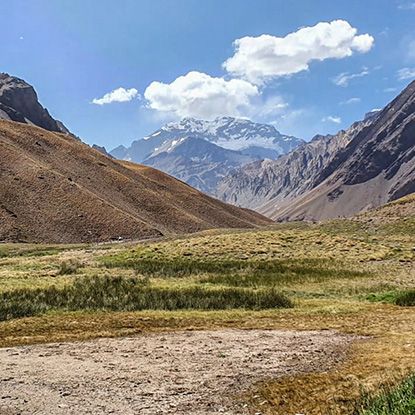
x=191 y=372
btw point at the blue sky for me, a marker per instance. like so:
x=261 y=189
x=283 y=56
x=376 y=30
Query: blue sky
x=75 y=51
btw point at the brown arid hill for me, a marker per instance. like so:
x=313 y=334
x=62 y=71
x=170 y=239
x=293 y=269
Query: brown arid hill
x=54 y=188
x=376 y=167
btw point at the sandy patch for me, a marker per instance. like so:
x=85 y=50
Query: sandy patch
x=192 y=372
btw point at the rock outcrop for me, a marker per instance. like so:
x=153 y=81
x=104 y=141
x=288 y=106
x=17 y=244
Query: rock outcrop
x=19 y=102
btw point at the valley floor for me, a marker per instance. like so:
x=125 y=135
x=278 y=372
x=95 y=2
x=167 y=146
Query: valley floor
x=289 y=319
x=186 y=372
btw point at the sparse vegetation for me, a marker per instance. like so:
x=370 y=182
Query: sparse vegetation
x=391 y=400
x=69 y=267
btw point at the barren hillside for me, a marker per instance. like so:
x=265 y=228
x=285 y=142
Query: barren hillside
x=54 y=188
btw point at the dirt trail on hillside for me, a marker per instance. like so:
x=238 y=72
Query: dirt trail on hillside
x=191 y=372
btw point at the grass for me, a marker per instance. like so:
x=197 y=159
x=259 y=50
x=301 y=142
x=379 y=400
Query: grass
x=69 y=267
x=355 y=277
x=237 y=272
x=32 y=250
x=400 y=298
x=406 y=299
x=391 y=400
x=132 y=294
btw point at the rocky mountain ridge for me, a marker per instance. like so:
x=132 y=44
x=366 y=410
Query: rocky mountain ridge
x=270 y=182
x=229 y=143
x=19 y=102
x=365 y=166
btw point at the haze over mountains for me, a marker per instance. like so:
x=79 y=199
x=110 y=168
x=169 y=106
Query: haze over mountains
x=202 y=152
x=54 y=188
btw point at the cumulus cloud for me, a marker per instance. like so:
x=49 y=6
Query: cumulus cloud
x=117 y=95
x=261 y=58
x=199 y=95
x=344 y=78
x=406 y=73
x=331 y=118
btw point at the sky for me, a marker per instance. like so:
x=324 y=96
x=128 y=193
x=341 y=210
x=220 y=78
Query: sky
x=115 y=71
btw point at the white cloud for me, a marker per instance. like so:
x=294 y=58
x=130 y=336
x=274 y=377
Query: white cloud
x=261 y=58
x=406 y=73
x=408 y=5
x=344 y=78
x=391 y=89
x=267 y=109
x=199 y=95
x=349 y=101
x=117 y=95
x=331 y=118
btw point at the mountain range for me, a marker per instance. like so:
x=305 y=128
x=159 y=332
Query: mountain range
x=202 y=152
x=56 y=189
x=365 y=166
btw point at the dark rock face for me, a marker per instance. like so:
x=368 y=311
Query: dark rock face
x=19 y=102
x=382 y=147
x=366 y=166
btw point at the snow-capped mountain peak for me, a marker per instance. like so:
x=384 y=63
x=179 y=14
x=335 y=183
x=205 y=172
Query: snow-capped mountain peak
x=202 y=151
x=233 y=133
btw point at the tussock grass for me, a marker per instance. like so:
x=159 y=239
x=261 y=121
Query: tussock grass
x=238 y=273
x=331 y=269
x=69 y=267
x=132 y=294
x=391 y=400
x=400 y=298
x=406 y=299
x=32 y=250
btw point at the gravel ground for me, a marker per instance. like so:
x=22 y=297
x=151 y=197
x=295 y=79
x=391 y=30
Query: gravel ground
x=191 y=372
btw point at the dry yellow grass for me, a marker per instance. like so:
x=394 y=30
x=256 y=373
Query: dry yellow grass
x=384 y=259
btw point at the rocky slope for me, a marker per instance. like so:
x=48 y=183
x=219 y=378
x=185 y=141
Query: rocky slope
x=229 y=143
x=197 y=162
x=264 y=184
x=376 y=167
x=19 y=102
x=54 y=188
